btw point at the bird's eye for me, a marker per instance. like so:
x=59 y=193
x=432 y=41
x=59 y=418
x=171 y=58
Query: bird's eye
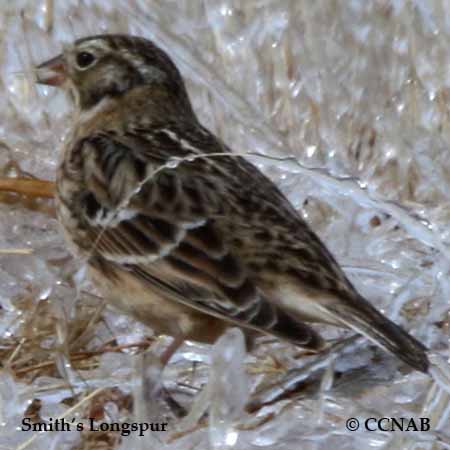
x=84 y=59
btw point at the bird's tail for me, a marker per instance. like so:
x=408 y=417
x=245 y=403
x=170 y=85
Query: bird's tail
x=368 y=321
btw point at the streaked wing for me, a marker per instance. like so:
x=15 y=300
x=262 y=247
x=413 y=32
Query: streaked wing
x=171 y=226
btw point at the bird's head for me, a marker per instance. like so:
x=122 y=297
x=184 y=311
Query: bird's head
x=97 y=67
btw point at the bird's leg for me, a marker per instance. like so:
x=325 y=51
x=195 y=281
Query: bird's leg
x=171 y=349
x=165 y=357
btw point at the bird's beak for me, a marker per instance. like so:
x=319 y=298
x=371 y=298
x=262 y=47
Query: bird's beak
x=52 y=72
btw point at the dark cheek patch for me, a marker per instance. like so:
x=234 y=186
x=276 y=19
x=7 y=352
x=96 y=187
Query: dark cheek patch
x=110 y=77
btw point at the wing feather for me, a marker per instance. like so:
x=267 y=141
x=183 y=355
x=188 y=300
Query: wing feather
x=175 y=227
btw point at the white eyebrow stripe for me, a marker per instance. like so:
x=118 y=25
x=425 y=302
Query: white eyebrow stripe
x=93 y=44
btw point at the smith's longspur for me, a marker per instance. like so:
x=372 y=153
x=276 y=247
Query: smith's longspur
x=194 y=246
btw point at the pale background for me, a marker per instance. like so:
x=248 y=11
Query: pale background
x=359 y=89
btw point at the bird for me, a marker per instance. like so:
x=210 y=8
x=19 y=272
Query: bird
x=176 y=229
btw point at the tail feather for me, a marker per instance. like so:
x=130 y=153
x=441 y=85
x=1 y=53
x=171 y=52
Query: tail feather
x=368 y=321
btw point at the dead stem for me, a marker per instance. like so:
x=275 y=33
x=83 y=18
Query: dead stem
x=16 y=251
x=28 y=187
x=80 y=356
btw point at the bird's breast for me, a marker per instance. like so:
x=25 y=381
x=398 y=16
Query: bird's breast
x=68 y=203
